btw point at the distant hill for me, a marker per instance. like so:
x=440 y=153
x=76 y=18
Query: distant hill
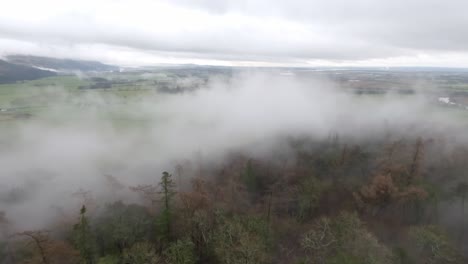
x=10 y=72
x=60 y=65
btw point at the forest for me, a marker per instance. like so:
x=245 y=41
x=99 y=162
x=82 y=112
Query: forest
x=233 y=132
x=337 y=200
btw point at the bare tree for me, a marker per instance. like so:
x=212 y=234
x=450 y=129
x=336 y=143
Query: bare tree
x=40 y=238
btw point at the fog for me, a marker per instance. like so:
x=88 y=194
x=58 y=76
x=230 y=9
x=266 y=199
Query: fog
x=72 y=146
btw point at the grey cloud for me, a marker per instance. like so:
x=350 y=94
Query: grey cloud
x=264 y=30
x=413 y=24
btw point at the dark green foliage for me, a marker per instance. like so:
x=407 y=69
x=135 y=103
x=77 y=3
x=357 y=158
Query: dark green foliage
x=163 y=222
x=201 y=226
x=433 y=245
x=308 y=195
x=344 y=239
x=141 y=253
x=109 y=259
x=250 y=177
x=83 y=238
x=2 y=251
x=181 y=251
x=344 y=258
x=163 y=227
x=248 y=210
x=241 y=240
x=120 y=226
x=461 y=191
x=402 y=256
x=436 y=195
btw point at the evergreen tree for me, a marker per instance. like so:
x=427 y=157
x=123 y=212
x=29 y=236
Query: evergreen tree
x=250 y=178
x=163 y=222
x=461 y=191
x=83 y=238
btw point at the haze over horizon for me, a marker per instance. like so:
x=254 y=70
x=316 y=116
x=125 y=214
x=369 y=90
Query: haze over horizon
x=233 y=132
x=240 y=33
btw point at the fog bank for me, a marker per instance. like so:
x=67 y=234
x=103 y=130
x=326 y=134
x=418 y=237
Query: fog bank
x=74 y=144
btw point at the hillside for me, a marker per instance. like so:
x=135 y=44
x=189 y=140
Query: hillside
x=10 y=72
x=63 y=65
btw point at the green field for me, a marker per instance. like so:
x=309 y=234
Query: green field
x=69 y=93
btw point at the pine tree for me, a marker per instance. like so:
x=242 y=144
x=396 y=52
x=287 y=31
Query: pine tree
x=167 y=187
x=461 y=191
x=83 y=238
x=249 y=177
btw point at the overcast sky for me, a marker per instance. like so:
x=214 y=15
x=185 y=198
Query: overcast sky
x=241 y=32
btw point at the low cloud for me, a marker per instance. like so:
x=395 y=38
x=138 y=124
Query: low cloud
x=72 y=146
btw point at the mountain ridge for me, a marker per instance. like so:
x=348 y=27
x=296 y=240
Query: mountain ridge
x=60 y=65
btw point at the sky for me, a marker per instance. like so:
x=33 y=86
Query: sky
x=241 y=32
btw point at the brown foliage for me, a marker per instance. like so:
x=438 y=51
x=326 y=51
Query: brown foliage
x=195 y=200
x=379 y=192
x=412 y=193
x=49 y=251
